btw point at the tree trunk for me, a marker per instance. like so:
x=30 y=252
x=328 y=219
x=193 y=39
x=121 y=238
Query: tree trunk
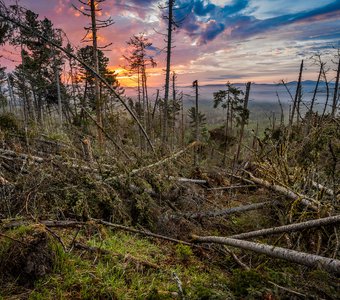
x=99 y=113
x=196 y=158
x=60 y=109
x=327 y=92
x=167 y=72
x=310 y=260
x=315 y=90
x=336 y=89
x=244 y=120
x=297 y=95
x=285 y=191
x=289 y=228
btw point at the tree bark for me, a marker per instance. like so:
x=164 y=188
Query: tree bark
x=244 y=120
x=196 y=158
x=336 y=89
x=99 y=113
x=297 y=95
x=289 y=228
x=167 y=72
x=310 y=260
x=285 y=191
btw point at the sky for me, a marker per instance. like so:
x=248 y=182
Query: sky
x=262 y=41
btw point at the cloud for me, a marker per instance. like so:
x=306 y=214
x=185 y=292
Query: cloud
x=226 y=77
x=211 y=30
x=204 y=21
x=256 y=26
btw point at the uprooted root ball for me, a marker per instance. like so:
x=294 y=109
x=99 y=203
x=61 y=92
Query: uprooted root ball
x=28 y=259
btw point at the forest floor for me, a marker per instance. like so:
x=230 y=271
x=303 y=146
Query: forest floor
x=88 y=260
x=107 y=228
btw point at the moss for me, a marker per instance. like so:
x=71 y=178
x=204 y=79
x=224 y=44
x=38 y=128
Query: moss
x=184 y=252
x=244 y=282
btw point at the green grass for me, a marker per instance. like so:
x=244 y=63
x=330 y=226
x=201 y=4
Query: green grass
x=84 y=275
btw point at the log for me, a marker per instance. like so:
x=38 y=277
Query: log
x=285 y=191
x=183 y=179
x=240 y=178
x=40 y=160
x=310 y=260
x=21 y=155
x=231 y=187
x=289 y=228
x=228 y=211
x=47 y=223
x=320 y=187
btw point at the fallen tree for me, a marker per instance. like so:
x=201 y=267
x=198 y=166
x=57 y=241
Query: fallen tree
x=310 y=260
x=311 y=203
x=289 y=228
x=320 y=187
x=158 y=163
x=227 y=211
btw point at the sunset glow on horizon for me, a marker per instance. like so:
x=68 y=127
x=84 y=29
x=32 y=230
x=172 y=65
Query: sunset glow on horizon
x=217 y=41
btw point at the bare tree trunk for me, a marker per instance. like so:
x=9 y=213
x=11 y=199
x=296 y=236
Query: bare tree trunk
x=297 y=94
x=167 y=72
x=310 y=260
x=173 y=110
x=226 y=134
x=148 y=120
x=155 y=105
x=289 y=228
x=195 y=85
x=182 y=122
x=336 y=89
x=99 y=113
x=244 y=120
x=316 y=89
x=60 y=109
x=11 y=96
x=327 y=92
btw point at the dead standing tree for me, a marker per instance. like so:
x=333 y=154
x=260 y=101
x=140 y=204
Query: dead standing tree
x=195 y=85
x=244 y=121
x=171 y=26
x=336 y=87
x=91 y=10
x=297 y=98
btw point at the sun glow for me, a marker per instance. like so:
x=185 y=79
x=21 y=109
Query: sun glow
x=125 y=78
